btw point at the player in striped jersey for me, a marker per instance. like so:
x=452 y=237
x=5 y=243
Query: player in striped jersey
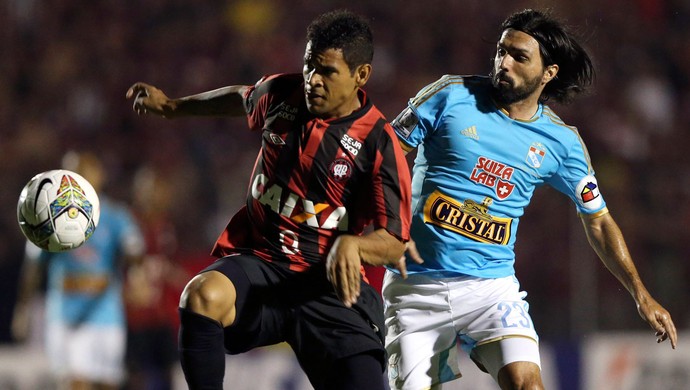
x=484 y=145
x=291 y=258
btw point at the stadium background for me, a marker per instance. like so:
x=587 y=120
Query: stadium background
x=66 y=64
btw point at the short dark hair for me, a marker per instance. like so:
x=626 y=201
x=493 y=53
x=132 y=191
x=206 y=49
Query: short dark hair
x=342 y=29
x=557 y=46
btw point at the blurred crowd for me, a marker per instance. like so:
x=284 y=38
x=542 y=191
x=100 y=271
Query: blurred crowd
x=66 y=65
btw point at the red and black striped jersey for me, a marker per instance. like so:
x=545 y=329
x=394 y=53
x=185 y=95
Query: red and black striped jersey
x=315 y=179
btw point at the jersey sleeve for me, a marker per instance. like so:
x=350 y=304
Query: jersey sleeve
x=261 y=96
x=575 y=178
x=255 y=103
x=424 y=111
x=392 y=187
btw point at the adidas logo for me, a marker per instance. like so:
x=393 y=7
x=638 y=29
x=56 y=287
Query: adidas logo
x=471 y=132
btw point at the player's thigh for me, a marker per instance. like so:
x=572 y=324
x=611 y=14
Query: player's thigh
x=422 y=360
x=259 y=320
x=421 y=337
x=512 y=361
x=494 y=310
x=327 y=334
x=222 y=290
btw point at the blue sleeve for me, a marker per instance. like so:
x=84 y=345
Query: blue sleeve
x=575 y=178
x=424 y=111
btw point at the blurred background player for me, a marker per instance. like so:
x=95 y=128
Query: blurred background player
x=153 y=287
x=85 y=319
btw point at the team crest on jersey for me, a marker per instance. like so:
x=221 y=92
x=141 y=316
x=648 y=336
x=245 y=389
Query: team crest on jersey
x=588 y=193
x=535 y=155
x=469 y=218
x=341 y=169
x=493 y=174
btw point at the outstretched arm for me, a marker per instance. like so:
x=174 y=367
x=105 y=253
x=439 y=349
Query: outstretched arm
x=607 y=240
x=226 y=101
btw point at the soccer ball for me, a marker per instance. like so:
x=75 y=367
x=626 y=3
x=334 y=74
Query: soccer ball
x=58 y=210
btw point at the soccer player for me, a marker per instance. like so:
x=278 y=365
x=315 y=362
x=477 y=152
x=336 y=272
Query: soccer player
x=290 y=266
x=484 y=144
x=85 y=318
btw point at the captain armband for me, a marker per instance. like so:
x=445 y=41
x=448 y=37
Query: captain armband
x=405 y=122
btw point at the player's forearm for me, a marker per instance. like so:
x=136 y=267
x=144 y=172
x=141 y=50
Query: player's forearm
x=379 y=247
x=226 y=101
x=607 y=240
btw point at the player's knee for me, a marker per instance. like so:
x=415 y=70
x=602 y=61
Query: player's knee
x=210 y=294
x=520 y=376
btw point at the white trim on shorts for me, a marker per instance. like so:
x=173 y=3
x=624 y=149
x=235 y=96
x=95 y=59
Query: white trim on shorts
x=427 y=318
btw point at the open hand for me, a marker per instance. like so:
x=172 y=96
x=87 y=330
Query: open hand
x=343 y=269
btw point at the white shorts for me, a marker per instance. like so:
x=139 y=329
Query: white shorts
x=88 y=352
x=426 y=318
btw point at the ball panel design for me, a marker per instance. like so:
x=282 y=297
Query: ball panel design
x=58 y=210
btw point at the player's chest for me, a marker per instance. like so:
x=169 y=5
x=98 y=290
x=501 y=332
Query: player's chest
x=490 y=147
x=315 y=149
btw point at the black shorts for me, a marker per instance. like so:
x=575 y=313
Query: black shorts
x=275 y=304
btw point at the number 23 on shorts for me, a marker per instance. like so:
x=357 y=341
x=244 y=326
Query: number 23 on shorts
x=515 y=314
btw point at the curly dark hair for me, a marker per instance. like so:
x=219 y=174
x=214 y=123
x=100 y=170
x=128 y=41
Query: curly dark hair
x=342 y=29
x=557 y=46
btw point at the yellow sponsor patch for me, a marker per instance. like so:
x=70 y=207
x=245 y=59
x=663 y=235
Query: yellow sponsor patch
x=471 y=219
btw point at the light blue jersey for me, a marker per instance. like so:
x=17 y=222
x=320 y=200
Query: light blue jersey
x=476 y=170
x=84 y=284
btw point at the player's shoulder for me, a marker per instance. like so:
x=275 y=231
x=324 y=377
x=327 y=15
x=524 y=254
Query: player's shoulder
x=461 y=80
x=550 y=117
x=452 y=87
x=279 y=82
x=277 y=78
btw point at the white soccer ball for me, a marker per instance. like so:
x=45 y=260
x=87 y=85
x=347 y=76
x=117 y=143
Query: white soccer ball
x=58 y=210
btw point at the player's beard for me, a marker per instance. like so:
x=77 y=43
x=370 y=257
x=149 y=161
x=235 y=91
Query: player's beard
x=508 y=93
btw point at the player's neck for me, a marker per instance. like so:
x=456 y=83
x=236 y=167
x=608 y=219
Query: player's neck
x=355 y=104
x=523 y=110
x=345 y=109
